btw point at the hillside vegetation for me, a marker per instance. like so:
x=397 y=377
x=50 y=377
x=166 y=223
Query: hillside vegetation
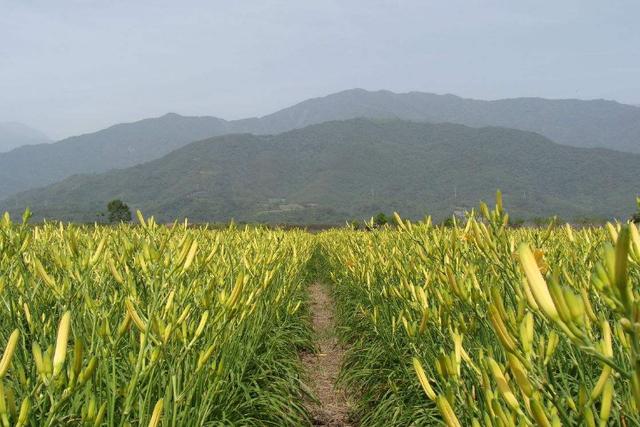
x=579 y=123
x=571 y=122
x=116 y=147
x=353 y=169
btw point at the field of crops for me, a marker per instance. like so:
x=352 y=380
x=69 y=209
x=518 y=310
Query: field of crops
x=151 y=325
x=476 y=324
x=485 y=325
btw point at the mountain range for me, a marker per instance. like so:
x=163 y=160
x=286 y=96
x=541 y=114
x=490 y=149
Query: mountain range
x=588 y=124
x=14 y=135
x=336 y=170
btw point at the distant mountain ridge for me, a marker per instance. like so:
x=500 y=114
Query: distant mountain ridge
x=336 y=171
x=14 y=135
x=118 y=146
x=595 y=123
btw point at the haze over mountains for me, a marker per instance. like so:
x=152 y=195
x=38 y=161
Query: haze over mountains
x=353 y=169
x=13 y=135
x=577 y=123
x=115 y=147
x=594 y=123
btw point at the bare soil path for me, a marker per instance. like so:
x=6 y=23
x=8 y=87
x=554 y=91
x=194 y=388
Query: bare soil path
x=323 y=368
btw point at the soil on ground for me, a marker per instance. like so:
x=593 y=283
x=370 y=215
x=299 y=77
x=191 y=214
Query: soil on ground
x=323 y=367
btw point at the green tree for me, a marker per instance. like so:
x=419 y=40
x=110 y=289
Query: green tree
x=449 y=222
x=118 y=211
x=380 y=219
x=636 y=216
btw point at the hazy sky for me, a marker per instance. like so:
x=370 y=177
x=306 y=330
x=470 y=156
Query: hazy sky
x=73 y=66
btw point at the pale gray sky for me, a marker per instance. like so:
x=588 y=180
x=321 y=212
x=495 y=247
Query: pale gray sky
x=73 y=66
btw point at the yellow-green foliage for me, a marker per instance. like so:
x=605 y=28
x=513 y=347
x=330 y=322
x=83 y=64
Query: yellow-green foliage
x=475 y=324
x=150 y=325
x=481 y=324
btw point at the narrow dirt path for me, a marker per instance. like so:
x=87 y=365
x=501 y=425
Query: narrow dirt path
x=323 y=368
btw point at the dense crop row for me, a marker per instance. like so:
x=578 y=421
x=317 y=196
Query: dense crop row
x=481 y=324
x=151 y=325
x=476 y=324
